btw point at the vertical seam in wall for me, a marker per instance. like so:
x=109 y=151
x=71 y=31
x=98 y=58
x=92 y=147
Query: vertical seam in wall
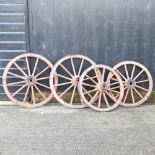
x=53 y=26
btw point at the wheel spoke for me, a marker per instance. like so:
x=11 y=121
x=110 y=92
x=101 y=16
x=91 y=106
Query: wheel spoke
x=133 y=70
x=42 y=71
x=66 y=70
x=106 y=101
x=73 y=67
x=43 y=85
x=139 y=74
x=28 y=66
x=113 y=98
x=141 y=88
x=81 y=65
x=142 y=81
x=26 y=94
x=91 y=79
x=21 y=88
x=138 y=93
x=67 y=78
x=15 y=83
x=103 y=74
x=87 y=92
x=113 y=84
x=65 y=91
x=89 y=85
x=126 y=70
x=114 y=87
x=71 y=101
x=40 y=92
x=21 y=77
x=127 y=92
x=120 y=75
x=36 y=63
x=133 y=99
x=94 y=97
x=99 y=100
x=62 y=84
x=19 y=68
x=114 y=91
x=33 y=96
x=43 y=78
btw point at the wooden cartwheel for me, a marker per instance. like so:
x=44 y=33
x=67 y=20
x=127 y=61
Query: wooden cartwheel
x=137 y=82
x=68 y=70
x=24 y=79
x=100 y=91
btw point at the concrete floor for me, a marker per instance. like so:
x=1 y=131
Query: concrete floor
x=57 y=130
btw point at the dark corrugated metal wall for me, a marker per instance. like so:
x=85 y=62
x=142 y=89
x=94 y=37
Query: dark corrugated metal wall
x=108 y=31
x=12 y=33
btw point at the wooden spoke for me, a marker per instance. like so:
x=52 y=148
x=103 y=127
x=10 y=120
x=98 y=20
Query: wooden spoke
x=71 y=101
x=99 y=100
x=91 y=79
x=133 y=99
x=40 y=92
x=113 y=98
x=65 y=91
x=33 y=96
x=73 y=67
x=94 y=97
x=141 y=88
x=43 y=78
x=121 y=74
x=142 y=81
x=139 y=74
x=133 y=70
x=103 y=74
x=19 y=68
x=15 y=75
x=138 y=93
x=66 y=70
x=106 y=101
x=112 y=84
x=89 y=85
x=62 y=84
x=15 y=83
x=36 y=63
x=28 y=66
x=87 y=92
x=94 y=77
x=126 y=71
x=42 y=71
x=40 y=84
x=62 y=76
x=20 y=89
x=126 y=95
x=26 y=94
x=111 y=90
x=81 y=65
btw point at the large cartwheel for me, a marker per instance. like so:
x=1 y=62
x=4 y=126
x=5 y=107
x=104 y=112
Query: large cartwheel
x=29 y=74
x=137 y=82
x=100 y=91
x=68 y=70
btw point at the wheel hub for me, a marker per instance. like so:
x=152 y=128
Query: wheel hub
x=30 y=80
x=131 y=83
x=75 y=80
x=102 y=87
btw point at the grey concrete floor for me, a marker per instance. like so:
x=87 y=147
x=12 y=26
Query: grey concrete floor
x=57 y=130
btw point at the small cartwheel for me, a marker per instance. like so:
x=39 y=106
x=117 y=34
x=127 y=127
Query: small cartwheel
x=99 y=90
x=24 y=79
x=137 y=81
